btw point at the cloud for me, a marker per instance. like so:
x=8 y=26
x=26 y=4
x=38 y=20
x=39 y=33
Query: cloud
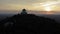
x=30 y=4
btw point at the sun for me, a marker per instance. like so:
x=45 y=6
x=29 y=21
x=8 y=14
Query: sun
x=44 y=7
x=47 y=8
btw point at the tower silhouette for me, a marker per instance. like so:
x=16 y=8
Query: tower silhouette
x=23 y=12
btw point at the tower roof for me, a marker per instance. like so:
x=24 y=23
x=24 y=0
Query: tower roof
x=23 y=9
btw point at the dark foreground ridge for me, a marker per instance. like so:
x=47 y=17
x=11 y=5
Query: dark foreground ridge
x=28 y=24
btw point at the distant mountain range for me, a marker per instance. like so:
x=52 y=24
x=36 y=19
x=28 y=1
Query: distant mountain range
x=52 y=16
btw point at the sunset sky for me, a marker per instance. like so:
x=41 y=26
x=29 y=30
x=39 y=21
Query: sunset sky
x=43 y=5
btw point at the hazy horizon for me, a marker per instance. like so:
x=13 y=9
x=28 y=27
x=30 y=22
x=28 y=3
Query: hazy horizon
x=28 y=11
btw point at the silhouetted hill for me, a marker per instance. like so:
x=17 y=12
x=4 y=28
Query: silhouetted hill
x=28 y=24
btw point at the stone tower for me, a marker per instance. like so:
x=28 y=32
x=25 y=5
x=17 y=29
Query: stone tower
x=23 y=12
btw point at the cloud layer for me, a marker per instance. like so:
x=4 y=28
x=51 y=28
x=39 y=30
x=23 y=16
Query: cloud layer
x=29 y=4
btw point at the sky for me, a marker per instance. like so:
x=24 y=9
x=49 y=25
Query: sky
x=41 y=5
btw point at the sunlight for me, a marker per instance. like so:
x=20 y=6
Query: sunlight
x=47 y=8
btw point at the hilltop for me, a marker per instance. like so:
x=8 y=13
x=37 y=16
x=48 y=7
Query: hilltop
x=29 y=24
